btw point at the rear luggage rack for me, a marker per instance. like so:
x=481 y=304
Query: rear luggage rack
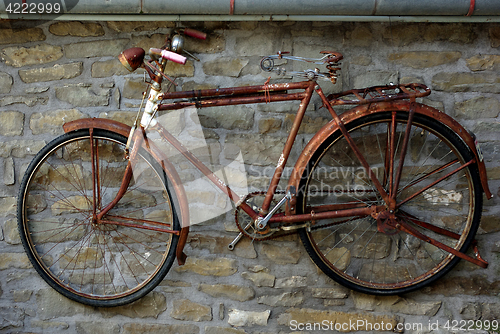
x=379 y=94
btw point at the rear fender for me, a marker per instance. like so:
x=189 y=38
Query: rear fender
x=173 y=176
x=368 y=109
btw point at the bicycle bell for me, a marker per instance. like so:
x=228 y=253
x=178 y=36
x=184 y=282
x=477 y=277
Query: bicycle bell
x=177 y=43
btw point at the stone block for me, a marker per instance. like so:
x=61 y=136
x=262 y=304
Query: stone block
x=252 y=44
x=149 y=306
x=363 y=321
x=14 y=260
x=260 y=278
x=361 y=35
x=478 y=107
x=291 y=282
x=395 y=304
x=281 y=254
x=101 y=48
x=126 y=117
x=489 y=223
x=330 y=293
x=148 y=41
x=309 y=125
x=136 y=26
x=397 y=35
x=227 y=117
x=50 y=304
x=56 y=72
x=5 y=83
x=228 y=67
x=269 y=125
x=52 y=326
x=108 y=68
x=30 y=101
x=133 y=88
x=466 y=82
x=12 y=123
x=21 y=36
x=230 y=291
x=11 y=233
x=187 y=310
x=424 y=59
x=8 y=206
x=471 y=311
x=82 y=95
x=192 y=85
x=207 y=267
x=76 y=28
x=11 y=317
x=472 y=285
x=18 y=56
x=454 y=32
x=52 y=121
x=178 y=70
x=494 y=34
x=97 y=327
x=141 y=328
x=214 y=43
x=256 y=149
x=223 y=330
x=239 y=318
x=8 y=172
x=20 y=148
x=218 y=245
x=490 y=311
x=401 y=34
x=288 y=299
x=21 y=296
x=484 y=63
x=375 y=78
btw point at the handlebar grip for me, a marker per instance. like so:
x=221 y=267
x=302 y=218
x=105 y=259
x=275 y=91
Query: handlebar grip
x=175 y=57
x=195 y=33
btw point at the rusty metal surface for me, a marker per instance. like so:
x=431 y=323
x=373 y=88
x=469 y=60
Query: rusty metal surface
x=234 y=96
x=379 y=94
x=173 y=176
x=97 y=123
x=373 y=108
x=132 y=58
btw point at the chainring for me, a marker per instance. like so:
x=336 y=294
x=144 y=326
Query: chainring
x=246 y=225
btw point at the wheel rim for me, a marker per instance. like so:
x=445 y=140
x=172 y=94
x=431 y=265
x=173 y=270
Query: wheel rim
x=357 y=251
x=81 y=257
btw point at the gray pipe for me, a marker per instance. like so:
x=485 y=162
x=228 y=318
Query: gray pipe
x=324 y=7
x=277 y=10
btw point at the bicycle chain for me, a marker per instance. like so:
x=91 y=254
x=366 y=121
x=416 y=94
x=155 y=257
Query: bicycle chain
x=245 y=233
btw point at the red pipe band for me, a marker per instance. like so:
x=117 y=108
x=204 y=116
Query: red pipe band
x=471 y=7
x=231 y=7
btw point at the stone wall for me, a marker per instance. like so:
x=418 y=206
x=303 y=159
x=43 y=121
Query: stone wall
x=54 y=72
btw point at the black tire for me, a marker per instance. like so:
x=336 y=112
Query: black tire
x=95 y=264
x=355 y=251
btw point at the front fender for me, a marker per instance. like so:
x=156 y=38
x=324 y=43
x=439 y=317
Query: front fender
x=173 y=176
x=368 y=109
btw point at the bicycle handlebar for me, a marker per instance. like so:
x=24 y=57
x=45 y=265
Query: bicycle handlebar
x=195 y=33
x=175 y=57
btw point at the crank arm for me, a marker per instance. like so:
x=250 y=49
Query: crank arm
x=238 y=238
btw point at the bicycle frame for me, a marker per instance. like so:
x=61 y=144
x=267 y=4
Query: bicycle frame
x=269 y=93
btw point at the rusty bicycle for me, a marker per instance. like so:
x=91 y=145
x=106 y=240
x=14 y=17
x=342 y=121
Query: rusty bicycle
x=386 y=197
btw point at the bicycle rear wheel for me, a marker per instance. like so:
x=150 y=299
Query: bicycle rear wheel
x=99 y=264
x=364 y=254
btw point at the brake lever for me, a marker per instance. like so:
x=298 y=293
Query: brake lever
x=191 y=55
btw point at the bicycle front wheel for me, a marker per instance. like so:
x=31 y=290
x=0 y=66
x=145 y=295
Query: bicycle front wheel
x=362 y=252
x=108 y=263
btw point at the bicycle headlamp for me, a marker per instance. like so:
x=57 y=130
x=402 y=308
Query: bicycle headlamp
x=132 y=58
